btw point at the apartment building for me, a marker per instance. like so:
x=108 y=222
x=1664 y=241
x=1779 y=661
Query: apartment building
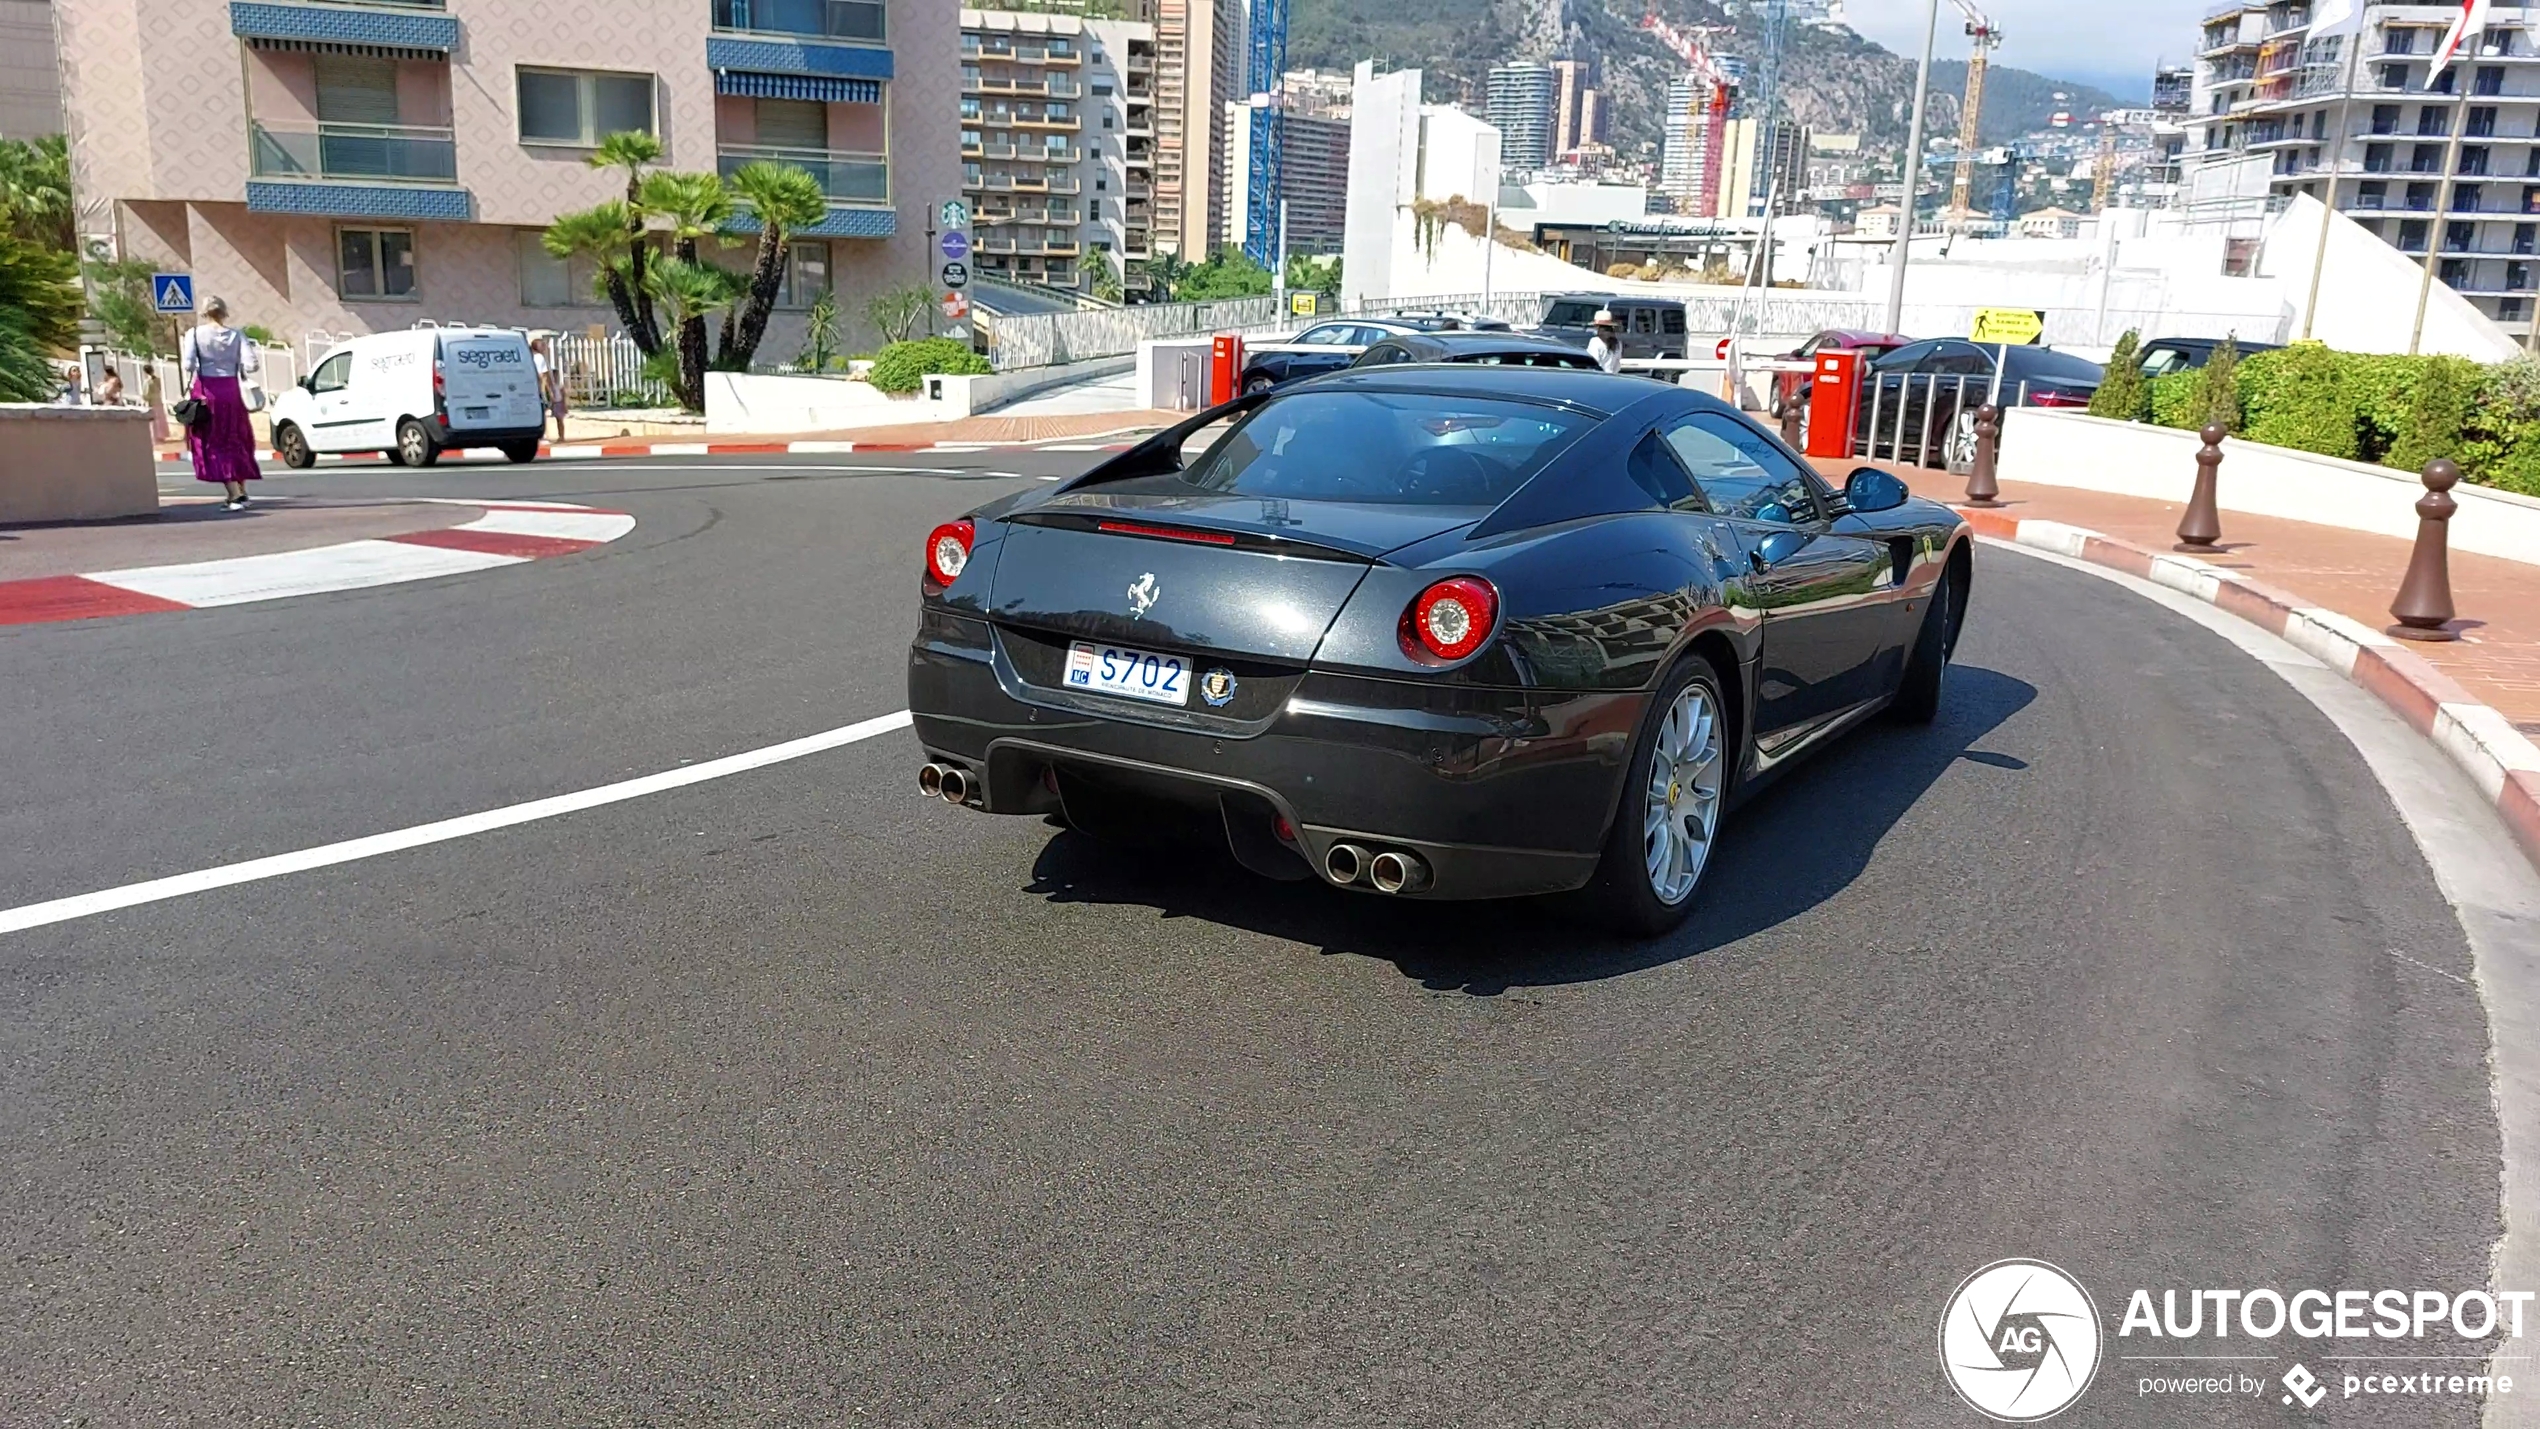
x=30 y=79
x=1521 y=103
x=1199 y=47
x=1058 y=145
x=2273 y=114
x=335 y=167
x=1313 y=179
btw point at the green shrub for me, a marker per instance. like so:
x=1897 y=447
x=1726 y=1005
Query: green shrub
x=904 y=366
x=2217 y=401
x=2438 y=412
x=2299 y=397
x=2174 y=399
x=2124 y=395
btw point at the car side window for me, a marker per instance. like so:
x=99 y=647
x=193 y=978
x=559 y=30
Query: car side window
x=1644 y=320
x=1740 y=472
x=1379 y=355
x=1330 y=334
x=331 y=373
x=1569 y=314
x=1653 y=468
x=1672 y=322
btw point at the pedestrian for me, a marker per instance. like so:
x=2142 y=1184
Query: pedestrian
x=551 y=395
x=216 y=359
x=110 y=387
x=1607 y=346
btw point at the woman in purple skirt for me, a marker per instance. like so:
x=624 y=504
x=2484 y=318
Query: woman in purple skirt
x=216 y=359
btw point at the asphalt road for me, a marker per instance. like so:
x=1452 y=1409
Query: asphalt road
x=791 y=1098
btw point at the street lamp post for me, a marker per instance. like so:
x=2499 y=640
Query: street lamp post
x=1913 y=177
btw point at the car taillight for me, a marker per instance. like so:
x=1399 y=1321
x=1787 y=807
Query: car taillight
x=440 y=389
x=2049 y=397
x=948 y=550
x=1451 y=619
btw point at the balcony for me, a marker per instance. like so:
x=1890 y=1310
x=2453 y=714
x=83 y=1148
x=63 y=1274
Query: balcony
x=1065 y=122
x=1067 y=155
x=356 y=171
x=844 y=177
x=1062 y=184
x=996 y=151
x=1021 y=183
x=832 y=39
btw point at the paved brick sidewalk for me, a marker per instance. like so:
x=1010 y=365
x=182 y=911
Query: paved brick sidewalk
x=2497 y=658
x=913 y=436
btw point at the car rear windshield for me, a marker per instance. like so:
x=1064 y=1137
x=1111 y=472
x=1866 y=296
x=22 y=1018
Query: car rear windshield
x=1393 y=448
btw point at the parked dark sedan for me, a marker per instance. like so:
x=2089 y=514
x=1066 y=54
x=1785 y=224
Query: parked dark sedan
x=1324 y=347
x=1432 y=631
x=2163 y=355
x=1485 y=349
x=1918 y=402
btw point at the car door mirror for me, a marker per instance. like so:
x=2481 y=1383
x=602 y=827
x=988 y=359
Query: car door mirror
x=1870 y=489
x=308 y=384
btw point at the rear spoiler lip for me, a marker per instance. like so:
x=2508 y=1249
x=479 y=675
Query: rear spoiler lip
x=1242 y=538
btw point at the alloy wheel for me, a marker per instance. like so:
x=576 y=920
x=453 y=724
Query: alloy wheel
x=1683 y=808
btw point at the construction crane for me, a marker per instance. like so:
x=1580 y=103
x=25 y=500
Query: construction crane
x=1985 y=37
x=1266 y=63
x=1713 y=92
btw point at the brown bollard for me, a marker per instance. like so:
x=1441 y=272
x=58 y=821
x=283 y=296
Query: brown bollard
x=1790 y=422
x=2201 y=527
x=1982 y=490
x=2424 y=606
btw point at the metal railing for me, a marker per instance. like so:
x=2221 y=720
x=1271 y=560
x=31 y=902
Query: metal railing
x=400 y=153
x=843 y=176
x=803 y=19
x=600 y=371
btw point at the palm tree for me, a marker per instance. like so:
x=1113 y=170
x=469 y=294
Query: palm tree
x=633 y=150
x=695 y=207
x=599 y=234
x=785 y=199
x=695 y=291
x=35 y=190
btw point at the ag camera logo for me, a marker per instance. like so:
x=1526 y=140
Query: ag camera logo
x=2020 y=1341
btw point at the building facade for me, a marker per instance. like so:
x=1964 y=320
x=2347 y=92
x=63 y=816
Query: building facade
x=1313 y=179
x=30 y=73
x=1198 y=68
x=1521 y=103
x=1057 y=145
x=333 y=167
x=2451 y=164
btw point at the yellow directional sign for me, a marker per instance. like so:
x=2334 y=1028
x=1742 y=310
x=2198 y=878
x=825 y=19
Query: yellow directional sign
x=1303 y=304
x=2016 y=326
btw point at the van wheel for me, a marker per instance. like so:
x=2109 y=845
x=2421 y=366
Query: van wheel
x=414 y=445
x=293 y=448
x=521 y=451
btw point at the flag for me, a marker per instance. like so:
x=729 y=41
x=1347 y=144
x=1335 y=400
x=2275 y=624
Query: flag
x=2473 y=21
x=2332 y=16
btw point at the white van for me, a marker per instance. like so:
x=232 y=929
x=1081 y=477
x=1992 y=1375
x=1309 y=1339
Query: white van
x=414 y=394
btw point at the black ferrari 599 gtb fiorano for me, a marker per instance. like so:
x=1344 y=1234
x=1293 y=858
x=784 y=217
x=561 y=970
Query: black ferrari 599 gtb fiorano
x=1434 y=632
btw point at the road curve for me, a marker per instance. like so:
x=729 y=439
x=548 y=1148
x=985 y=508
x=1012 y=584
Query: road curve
x=793 y=1098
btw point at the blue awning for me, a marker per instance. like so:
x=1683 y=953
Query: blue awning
x=356 y=200
x=797 y=86
x=344 y=25
x=768 y=54
x=839 y=223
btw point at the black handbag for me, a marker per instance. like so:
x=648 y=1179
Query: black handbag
x=188 y=411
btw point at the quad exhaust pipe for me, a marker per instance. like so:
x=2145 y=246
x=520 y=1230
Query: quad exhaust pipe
x=1387 y=872
x=948 y=782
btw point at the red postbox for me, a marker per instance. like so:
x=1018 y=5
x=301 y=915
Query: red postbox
x=1225 y=367
x=1834 y=390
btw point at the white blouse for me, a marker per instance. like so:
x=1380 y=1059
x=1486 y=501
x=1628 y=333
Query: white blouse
x=211 y=350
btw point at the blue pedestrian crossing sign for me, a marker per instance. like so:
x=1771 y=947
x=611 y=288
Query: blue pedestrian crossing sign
x=172 y=292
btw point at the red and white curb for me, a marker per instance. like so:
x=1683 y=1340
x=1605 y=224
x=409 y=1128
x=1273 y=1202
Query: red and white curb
x=507 y=534
x=600 y=451
x=2498 y=758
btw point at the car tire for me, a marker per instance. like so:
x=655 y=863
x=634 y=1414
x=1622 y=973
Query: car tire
x=521 y=452
x=1628 y=894
x=1257 y=383
x=414 y=445
x=293 y=448
x=1927 y=668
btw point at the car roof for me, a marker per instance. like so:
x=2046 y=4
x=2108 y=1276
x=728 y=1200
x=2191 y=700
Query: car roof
x=1863 y=337
x=1604 y=393
x=1468 y=342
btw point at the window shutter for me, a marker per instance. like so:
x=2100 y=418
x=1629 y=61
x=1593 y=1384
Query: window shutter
x=352 y=89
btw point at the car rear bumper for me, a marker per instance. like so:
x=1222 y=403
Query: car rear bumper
x=1499 y=792
x=445 y=435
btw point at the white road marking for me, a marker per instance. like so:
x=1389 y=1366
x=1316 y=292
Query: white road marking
x=350 y=565
x=159 y=890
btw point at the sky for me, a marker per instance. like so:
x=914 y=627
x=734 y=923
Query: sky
x=2111 y=45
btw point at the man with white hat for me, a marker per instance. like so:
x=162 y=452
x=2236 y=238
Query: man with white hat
x=1607 y=346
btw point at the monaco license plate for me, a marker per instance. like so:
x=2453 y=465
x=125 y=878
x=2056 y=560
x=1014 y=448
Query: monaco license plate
x=1133 y=674
x=477 y=414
